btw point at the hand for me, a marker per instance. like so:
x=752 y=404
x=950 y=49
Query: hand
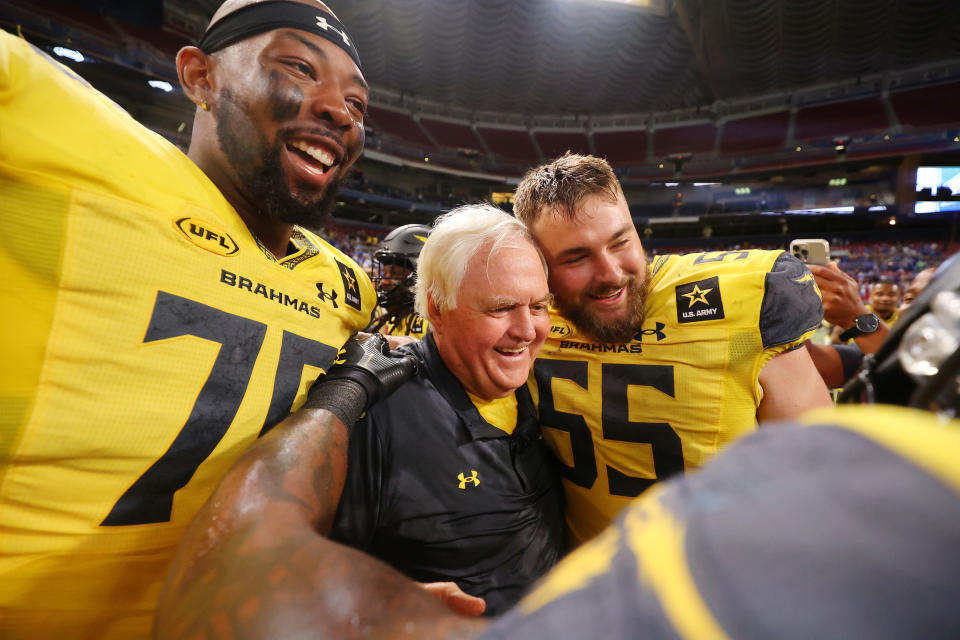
x=455 y=598
x=841 y=295
x=370 y=363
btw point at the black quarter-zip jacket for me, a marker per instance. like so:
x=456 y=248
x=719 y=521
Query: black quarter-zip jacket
x=442 y=495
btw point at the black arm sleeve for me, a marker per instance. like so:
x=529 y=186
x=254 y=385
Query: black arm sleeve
x=791 y=303
x=851 y=357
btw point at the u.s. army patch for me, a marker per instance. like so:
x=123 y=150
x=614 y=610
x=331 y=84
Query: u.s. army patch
x=700 y=300
x=351 y=287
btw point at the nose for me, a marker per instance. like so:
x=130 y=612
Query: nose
x=607 y=269
x=523 y=327
x=328 y=103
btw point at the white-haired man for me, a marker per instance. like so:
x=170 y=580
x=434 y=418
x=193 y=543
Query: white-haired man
x=447 y=479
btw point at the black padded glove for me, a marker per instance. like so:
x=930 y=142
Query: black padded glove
x=365 y=372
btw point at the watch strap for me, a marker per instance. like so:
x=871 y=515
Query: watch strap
x=855 y=331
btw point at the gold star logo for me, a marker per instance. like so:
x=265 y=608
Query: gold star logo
x=351 y=281
x=697 y=295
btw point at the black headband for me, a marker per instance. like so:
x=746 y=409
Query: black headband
x=276 y=14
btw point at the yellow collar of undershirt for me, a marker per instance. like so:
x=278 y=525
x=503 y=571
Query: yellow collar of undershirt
x=499 y=412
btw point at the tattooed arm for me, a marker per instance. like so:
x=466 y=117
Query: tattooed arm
x=255 y=562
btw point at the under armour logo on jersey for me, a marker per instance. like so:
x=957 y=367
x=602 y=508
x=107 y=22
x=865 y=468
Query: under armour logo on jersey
x=471 y=478
x=657 y=331
x=323 y=295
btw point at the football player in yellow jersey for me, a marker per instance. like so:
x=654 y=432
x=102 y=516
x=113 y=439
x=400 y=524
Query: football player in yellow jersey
x=843 y=523
x=396 y=259
x=161 y=311
x=650 y=370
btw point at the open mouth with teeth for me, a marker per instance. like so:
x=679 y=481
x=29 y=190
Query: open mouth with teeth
x=312 y=159
x=510 y=353
x=608 y=296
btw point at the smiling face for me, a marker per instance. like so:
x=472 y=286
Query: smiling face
x=598 y=271
x=289 y=122
x=884 y=298
x=490 y=339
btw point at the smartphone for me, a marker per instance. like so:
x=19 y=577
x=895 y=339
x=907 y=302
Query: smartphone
x=811 y=250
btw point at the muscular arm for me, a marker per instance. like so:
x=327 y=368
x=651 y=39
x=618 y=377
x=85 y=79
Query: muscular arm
x=791 y=385
x=253 y=563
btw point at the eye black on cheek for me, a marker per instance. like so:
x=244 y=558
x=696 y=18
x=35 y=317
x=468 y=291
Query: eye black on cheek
x=287 y=98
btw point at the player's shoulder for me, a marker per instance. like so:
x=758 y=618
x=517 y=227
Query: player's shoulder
x=741 y=286
x=715 y=262
x=792 y=307
x=335 y=270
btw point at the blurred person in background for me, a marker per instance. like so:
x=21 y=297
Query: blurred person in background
x=842 y=307
x=916 y=287
x=884 y=302
x=396 y=277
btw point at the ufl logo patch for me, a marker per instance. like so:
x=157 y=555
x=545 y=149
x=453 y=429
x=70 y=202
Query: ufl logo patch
x=207 y=236
x=560 y=330
x=700 y=300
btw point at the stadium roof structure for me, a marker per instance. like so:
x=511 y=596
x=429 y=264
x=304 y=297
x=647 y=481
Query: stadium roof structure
x=588 y=58
x=649 y=82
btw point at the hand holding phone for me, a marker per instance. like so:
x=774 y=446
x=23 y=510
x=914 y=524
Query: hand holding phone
x=811 y=250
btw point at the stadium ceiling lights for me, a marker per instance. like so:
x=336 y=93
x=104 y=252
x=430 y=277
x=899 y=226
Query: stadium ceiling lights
x=71 y=54
x=162 y=85
x=658 y=7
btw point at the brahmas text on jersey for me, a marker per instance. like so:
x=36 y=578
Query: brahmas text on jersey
x=622 y=416
x=845 y=528
x=147 y=340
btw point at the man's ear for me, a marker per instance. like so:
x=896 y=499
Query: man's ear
x=194 y=69
x=434 y=315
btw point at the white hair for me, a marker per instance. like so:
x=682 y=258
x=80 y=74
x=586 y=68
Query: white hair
x=456 y=238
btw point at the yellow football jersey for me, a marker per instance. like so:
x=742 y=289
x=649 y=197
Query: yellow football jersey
x=413 y=325
x=844 y=525
x=622 y=416
x=147 y=340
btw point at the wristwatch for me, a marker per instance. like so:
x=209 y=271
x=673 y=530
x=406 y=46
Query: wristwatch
x=867 y=323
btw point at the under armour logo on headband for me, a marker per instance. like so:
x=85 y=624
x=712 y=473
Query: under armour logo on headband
x=323 y=24
x=275 y=14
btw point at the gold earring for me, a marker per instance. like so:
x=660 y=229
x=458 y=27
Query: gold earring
x=203 y=105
